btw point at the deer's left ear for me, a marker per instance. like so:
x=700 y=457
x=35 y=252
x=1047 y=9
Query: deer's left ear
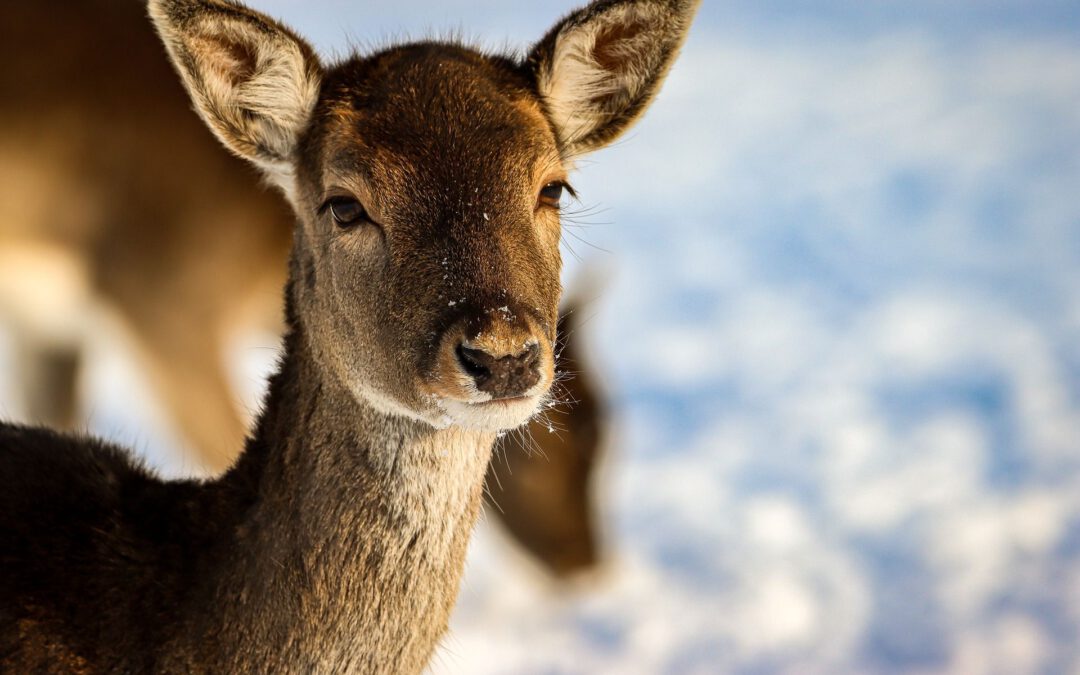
x=599 y=68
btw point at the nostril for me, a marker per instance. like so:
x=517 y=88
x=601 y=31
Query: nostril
x=473 y=360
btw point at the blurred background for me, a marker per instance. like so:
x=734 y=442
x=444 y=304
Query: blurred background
x=836 y=272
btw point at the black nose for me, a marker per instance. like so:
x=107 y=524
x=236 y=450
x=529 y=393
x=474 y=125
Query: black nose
x=502 y=377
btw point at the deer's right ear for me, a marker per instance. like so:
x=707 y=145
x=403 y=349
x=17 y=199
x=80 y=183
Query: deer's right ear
x=252 y=81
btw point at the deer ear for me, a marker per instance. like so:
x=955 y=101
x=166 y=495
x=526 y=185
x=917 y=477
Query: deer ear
x=599 y=68
x=253 y=82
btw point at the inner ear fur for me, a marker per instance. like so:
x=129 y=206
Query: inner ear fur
x=252 y=80
x=600 y=67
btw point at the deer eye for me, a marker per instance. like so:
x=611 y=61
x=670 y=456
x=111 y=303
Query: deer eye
x=552 y=194
x=346 y=211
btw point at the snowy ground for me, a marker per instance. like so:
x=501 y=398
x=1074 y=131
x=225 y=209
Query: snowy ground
x=842 y=338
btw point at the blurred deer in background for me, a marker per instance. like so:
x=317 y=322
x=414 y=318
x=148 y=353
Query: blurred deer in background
x=540 y=480
x=421 y=309
x=112 y=191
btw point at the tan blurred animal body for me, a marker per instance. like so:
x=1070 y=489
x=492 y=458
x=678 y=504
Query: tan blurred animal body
x=111 y=189
x=112 y=192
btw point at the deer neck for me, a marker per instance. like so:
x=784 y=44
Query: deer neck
x=350 y=553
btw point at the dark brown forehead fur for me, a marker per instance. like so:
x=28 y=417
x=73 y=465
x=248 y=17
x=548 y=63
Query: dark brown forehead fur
x=430 y=113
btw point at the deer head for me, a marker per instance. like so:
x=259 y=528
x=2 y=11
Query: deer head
x=426 y=180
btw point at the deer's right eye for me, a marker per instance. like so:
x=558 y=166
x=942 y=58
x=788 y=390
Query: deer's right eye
x=346 y=211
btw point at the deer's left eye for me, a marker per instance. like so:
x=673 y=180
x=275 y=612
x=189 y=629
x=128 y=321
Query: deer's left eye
x=346 y=211
x=552 y=194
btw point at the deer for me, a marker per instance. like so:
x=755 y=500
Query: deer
x=120 y=90
x=420 y=307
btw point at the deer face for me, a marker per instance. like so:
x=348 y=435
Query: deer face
x=426 y=180
x=428 y=189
